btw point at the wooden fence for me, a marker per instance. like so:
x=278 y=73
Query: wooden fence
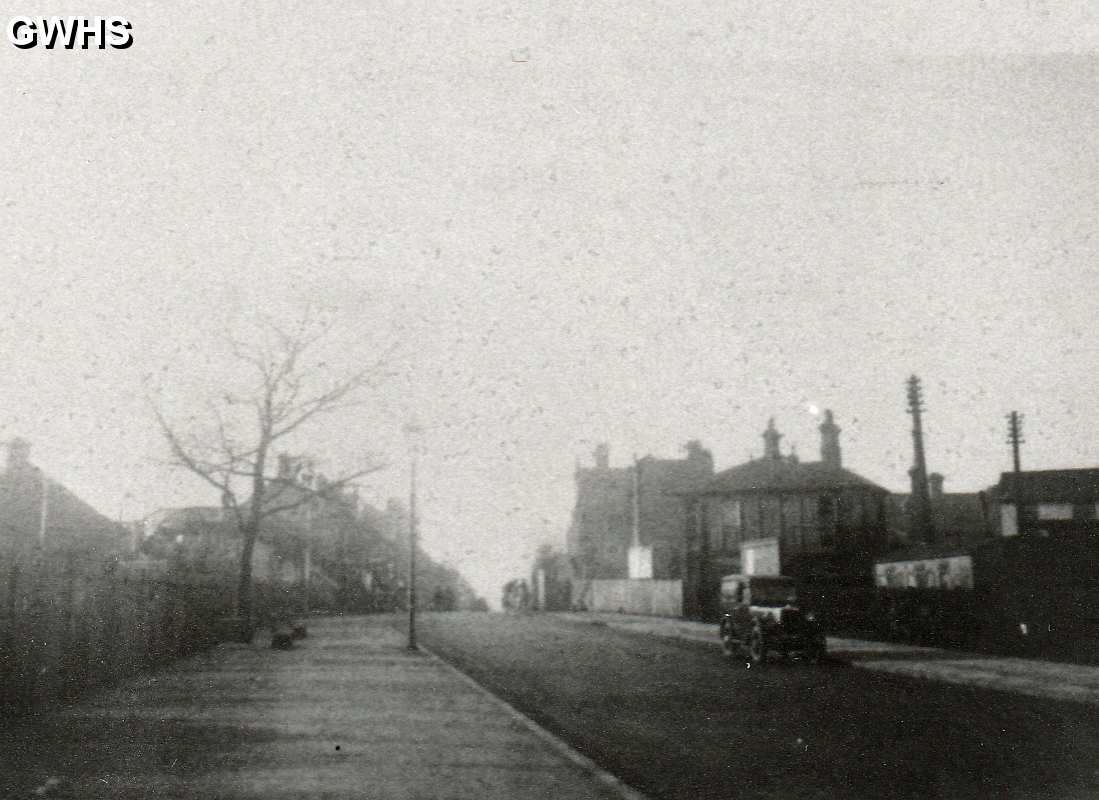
x=68 y=622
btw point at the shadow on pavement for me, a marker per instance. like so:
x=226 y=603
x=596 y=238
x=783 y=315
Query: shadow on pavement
x=76 y=748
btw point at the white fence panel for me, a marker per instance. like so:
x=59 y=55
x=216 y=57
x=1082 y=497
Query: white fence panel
x=657 y=598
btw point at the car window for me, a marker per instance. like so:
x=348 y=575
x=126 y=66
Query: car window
x=773 y=593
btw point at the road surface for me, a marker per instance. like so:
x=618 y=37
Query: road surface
x=675 y=720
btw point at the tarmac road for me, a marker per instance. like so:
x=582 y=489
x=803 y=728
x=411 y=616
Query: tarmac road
x=676 y=720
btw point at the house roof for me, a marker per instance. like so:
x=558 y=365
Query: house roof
x=786 y=475
x=69 y=521
x=182 y=518
x=1050 y=486
x=673 y=476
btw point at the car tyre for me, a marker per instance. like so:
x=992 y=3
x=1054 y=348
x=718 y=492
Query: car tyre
x=757 y=649
x=729 y=647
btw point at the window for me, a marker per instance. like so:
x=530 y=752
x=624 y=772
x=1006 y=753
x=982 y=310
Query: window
x=713 y=527
x=1054 y=511
x=732 y=515
x=732 y=519
x=791 y=521
x=770 y=511
x=826 y=520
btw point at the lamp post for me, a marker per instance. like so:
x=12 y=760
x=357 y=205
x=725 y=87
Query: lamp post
x=306 y=559
x=412 y=430
x=43 y=511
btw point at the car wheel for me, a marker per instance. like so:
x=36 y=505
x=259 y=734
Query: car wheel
x=757 y=649
x=728 y=643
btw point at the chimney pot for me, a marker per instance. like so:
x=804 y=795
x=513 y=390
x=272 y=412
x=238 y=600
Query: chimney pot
x=936 y=481
x=771 y=439
x=830 y=452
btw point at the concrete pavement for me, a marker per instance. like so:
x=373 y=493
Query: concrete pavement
x=350 y=712
x=1048 y=679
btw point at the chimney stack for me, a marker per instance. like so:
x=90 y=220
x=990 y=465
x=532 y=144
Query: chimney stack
x=830 y=441
x=935 y=479
x=286 y=466
x=19 y=454
x=771 y=439
x=602 y=456
x=700 y=457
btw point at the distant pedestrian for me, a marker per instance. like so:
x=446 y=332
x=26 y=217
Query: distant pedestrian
x=509 y=599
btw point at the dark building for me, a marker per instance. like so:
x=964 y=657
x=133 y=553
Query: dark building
x=1048 y=502
x=617 y=508
x=960 y=519
x=662 y=482
x=601 y=526
x=815 y=521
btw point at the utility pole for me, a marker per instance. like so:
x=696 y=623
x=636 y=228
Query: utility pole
x=306 y=563
x=1015 y=436
x=44 y=510
x=413 y=431
x=412 y=537
x=922 y=522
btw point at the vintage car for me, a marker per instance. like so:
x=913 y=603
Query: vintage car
x=760 y=616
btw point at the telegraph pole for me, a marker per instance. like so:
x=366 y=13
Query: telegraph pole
x=413 y=431
x=921 y=495
x=1015 y=436
x=412 y=536
x=44 y=510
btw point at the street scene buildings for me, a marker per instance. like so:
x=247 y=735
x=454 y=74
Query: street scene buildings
x=657 y=537
x=596 y=401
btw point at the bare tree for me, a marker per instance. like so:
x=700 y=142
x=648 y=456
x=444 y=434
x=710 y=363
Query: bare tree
x=230 y=445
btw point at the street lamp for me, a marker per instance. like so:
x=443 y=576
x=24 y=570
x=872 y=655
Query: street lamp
x=412 y=430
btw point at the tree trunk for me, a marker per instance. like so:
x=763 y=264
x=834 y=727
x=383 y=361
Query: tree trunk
x=245 y=594
x=249 y=531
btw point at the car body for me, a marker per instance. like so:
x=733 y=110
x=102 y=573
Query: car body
x=760 y=615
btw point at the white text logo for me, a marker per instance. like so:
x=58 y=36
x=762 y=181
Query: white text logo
x=70 y=33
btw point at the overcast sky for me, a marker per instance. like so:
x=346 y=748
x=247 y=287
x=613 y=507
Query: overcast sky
x=638 y=223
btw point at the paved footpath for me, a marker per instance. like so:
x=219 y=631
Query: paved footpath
x=350 y=712
x=1048 y=679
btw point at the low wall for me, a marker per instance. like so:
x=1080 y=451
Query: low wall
x=637 y=596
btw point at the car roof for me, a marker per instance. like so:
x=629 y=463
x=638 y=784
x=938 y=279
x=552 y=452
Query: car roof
x=731 y=578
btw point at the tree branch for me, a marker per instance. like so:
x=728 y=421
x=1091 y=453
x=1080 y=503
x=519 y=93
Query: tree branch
x=329 y=492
